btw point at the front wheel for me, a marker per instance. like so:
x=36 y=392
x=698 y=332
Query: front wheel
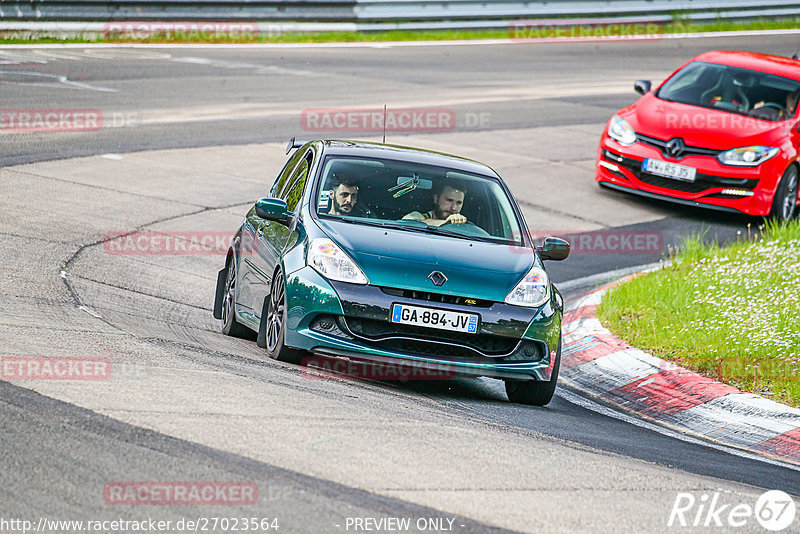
x=272 y=329
x=785 y=203
x=532 y=391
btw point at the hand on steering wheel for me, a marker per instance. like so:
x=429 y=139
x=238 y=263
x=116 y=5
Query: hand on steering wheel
x=455 y=218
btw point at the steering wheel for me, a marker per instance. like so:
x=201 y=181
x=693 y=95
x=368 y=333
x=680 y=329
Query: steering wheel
x=773 y=105
x=471 y=225
x=451 y=222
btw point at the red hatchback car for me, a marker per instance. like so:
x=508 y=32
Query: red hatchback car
x=720 y=132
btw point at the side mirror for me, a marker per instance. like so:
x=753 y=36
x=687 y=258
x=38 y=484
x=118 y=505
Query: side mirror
x=553 y=248
x=272 y=209
x=642 y=86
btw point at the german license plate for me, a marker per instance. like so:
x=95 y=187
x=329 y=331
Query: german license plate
x=432 y=318
x=669 y=170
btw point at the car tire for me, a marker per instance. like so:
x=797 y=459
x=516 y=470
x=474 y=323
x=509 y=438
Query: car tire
x=272 y=328
x=535 y=392
x=784 y=205
x=230 y=326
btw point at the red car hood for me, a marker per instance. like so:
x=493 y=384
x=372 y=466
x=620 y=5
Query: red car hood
x=702 y=127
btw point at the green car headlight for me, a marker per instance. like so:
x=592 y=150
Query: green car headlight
x=747 y=156
x=531 y=291
x=325 y=257
x=621 y=131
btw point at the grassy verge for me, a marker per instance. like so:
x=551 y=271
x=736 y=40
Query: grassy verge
x=678 y=26
x=732 y=313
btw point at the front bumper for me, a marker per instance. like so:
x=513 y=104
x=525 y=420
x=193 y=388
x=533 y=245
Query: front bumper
x=747 y=190
x=352 y=321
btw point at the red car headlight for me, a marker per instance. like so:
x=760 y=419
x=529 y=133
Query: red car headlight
x=747 y=156
x=621 y=131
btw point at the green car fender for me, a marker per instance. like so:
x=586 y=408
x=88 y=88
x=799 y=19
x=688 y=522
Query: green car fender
x=308 y=294
x=546 y=325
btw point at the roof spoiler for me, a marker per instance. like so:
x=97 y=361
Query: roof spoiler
x=294 y=144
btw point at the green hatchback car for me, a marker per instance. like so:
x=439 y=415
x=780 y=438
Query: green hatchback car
x=383 y=254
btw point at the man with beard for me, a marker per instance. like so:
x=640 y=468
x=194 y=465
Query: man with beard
x=448 y=199
x=344 y=195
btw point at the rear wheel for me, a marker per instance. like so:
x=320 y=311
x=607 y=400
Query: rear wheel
x=784 y=206
x=532 y=391
x=272 y=329
x=230 y=326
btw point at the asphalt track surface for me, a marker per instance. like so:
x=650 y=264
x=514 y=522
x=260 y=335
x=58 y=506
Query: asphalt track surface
x=198 y=137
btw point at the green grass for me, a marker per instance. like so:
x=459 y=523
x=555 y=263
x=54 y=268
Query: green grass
x=679 y=26
x=730 y=313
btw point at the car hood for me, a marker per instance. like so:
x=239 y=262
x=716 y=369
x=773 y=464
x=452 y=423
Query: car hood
x=701 y=127
x=405 y=259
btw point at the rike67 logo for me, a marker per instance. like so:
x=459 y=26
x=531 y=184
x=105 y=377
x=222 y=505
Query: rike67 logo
x=774 y=510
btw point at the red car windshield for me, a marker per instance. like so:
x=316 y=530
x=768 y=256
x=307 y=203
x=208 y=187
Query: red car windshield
x=732 y=89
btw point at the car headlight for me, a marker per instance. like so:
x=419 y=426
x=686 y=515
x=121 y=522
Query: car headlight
x=621 y=131
x=325 y=257
x=747 y=156
x=532 y=291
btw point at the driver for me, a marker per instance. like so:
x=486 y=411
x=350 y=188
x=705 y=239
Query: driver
x=791 y=104
x=344 y=194
x=448 y=199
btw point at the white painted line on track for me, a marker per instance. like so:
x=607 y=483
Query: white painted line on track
x=396 y=44
x=579 y=400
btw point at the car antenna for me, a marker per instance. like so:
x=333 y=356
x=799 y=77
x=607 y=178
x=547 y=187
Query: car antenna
x=384 y=123
x=796 y=51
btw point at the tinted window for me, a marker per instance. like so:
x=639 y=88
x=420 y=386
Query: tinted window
x=284 y=175
x=294 y=190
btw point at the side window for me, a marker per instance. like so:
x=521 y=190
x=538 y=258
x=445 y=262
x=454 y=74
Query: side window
x=284 y=175
x=294 y=190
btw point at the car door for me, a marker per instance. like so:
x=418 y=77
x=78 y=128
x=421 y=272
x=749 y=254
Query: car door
x=273 y=237
x=251 y=279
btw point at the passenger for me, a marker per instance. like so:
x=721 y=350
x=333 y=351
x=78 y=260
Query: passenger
x=448 y=199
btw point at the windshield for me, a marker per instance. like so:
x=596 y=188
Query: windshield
x=415 y=197
x=746 y=92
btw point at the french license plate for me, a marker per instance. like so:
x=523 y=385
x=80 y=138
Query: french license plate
x=444 y=320
x=669 y=170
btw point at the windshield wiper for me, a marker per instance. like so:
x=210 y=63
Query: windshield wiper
x=444 y=231
x=422 y=229
x=353 y=220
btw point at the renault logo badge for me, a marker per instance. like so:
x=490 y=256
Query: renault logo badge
x=438 y=278
x=675 y=147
